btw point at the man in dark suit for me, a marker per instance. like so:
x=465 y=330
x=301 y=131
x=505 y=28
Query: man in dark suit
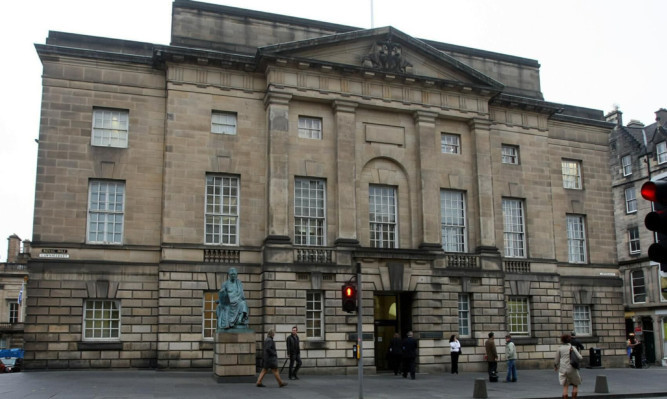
x=409 y=355
x=294 y=353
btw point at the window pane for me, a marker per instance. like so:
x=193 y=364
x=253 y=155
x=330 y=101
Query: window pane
x=106 y=212
x=110 y=128
x=576 y=239
x=310 y=128
x=221 y=210
x=452 y=221
x=314 y=315
x=513 y=216
x=309 y=212
x=382 y=216
x=101 y=319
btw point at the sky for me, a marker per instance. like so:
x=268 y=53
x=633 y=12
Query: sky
x=598 y=54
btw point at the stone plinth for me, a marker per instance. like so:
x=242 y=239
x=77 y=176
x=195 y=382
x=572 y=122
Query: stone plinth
x=234 y=357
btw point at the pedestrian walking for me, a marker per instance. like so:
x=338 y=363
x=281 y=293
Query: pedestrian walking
x=567 y=374
x=492 y=357
x=409 y=355
x=395 y=353
x=510 y=354
x=270 y=359
x=294 y=353
x=455 y=352
x=575 y=342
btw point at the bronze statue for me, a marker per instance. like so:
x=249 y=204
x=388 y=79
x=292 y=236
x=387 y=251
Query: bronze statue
x=232 y=309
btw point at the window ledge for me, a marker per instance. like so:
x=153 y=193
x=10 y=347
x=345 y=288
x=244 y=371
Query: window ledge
x=99 y=346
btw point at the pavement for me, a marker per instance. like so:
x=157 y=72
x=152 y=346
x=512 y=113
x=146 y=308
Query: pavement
x=149 y=384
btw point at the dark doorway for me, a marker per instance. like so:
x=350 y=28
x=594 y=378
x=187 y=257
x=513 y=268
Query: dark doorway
x=393 y=314
x=648 y=339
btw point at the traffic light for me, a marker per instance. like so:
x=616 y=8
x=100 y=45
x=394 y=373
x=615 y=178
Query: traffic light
x=349 y=297
x=656 y=192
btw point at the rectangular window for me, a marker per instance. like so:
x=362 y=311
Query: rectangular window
x=661 y=151
x=464 y=315
x=630 y=200
x=633 y=240
x=576 y=239
x=514 y=228
x=450 y=143
x=571 y=174
x=518 y=313
x=101 y=320
x=309 y=212
x=13 y=312
x=310 y=128
x=209 y=315
x=638 y=286
x=453 y=220
x=110 y=127
x=582 y=320
x=510 y=154
x=314 y=315
x=106 y=212
x=223 y=122
x=382 y=216
x=626 y=162
x=222 y=210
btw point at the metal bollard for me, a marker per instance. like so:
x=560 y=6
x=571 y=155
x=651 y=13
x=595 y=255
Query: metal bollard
x=601 y=384
x=480 y=389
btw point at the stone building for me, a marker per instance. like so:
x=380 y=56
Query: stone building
x=13 y=293
x=292 y=150
x=639 y=154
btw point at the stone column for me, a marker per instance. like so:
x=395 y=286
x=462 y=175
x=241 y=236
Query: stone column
x=345 y=119
x=480 y=130
x=277 y=113
x=428 y=199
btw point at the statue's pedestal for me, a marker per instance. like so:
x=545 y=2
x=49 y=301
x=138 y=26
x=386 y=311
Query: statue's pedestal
x=234 y=357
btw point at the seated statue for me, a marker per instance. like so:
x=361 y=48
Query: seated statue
x=232 y=310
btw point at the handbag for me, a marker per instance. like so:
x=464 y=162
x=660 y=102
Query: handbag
x=574 y=361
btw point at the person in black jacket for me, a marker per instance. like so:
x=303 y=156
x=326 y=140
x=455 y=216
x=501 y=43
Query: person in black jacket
x=409 y=355
x=395 y=353
x=270 y=358
x=294 y=353
x=575 y=342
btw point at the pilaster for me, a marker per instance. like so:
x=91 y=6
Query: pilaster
x=427 y=198
x=480 y=131
x=345 y=119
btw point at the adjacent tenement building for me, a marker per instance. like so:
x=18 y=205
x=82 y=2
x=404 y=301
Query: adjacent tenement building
x=639 y=154
x=13 y=276
x=291 y=150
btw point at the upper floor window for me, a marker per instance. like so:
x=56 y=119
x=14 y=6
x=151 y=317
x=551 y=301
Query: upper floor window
x=106 y=212
x=626 y=162
x=453 y=221
x=576 y=239
x=510 y=154
x=633 y=240
x=571 y=174
x=382 y=215
x=110 y=127
x=582 y=320
x=310 y=128
x=630 y=200
x=222 y=210
x=661 y=151
x=223 y=122
x=450 y=143
x=514 y=228
x=518 y=315
x=309 y=211
x=13 y=312
x=101 y=320
x=638 y=286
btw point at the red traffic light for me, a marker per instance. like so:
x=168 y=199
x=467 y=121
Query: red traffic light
x=349 y=298
x=655 y=191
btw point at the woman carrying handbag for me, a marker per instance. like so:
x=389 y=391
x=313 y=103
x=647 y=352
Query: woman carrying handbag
x=566 y=363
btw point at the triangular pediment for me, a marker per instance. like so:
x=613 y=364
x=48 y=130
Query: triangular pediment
x=385 y=50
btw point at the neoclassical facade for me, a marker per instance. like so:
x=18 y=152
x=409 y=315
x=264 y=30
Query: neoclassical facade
x=293 y=150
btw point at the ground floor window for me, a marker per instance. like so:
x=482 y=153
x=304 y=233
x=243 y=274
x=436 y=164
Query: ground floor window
x=209 y=316
x=464 y=315
x=101 y=319
x=518 y=315
x=314 y=315
x=582 y=320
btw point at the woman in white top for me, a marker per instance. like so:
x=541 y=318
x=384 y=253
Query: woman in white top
x=455 y=347
x=567 y=375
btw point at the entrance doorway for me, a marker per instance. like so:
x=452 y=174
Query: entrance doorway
x=393 y=314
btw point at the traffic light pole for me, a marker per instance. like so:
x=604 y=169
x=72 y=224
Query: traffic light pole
x=360 y=364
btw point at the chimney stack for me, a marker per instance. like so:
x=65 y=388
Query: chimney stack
x=13 y=248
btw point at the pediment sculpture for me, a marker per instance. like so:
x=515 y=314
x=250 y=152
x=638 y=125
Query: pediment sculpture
x=387 y=56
